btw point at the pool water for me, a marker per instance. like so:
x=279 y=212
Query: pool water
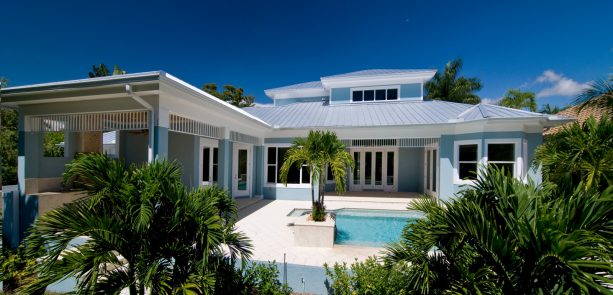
x=374 y=228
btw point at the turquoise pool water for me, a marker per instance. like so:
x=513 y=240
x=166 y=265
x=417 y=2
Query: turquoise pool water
x=373 y=228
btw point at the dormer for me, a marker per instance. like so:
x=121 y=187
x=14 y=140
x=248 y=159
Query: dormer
x=367 y=86
x=371 y=86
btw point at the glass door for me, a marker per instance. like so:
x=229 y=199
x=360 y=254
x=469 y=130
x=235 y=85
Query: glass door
x=431 y=171
x=209 y=153
x=375 y=169
x=241 y=171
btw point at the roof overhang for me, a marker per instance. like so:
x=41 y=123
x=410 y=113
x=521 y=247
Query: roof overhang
x=386 y=79
x=295 y=93
x=146 y=83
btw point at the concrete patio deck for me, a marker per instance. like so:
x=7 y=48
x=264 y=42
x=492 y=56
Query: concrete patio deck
x=266 y=223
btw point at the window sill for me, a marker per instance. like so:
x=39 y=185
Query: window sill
x=279 y=185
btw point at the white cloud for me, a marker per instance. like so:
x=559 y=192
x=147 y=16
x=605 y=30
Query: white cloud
x=493 y=101
x=559 y=85
x=264 y=105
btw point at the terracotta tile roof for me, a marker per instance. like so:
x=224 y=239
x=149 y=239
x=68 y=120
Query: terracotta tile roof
x=596 y=110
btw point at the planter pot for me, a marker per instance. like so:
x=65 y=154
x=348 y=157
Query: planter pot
x=308 y=233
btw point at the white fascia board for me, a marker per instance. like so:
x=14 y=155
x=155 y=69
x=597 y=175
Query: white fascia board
x=174 y=81
x=70 y=84
x=296 y=93
x=404 y=78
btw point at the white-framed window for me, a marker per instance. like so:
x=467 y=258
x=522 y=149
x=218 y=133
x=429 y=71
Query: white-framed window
x=374 y=94
x=467 y=155
x=504 y=154
x=275 y=155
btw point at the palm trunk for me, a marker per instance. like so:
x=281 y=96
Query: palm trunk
x=312 y=189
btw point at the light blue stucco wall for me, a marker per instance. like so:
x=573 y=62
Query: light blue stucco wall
x=411 y=91
x=410 y=169
x=340 y=95
x=446 y=155
x=286 y=101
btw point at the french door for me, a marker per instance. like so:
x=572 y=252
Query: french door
x=241 y=182
x=375 y=169
x=431 y=171
x=209 y=153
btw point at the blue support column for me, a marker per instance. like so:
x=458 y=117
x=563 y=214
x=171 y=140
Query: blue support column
x=225 y=164
x=10 y=219
x=160 y=145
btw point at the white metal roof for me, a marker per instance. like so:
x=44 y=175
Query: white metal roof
x=318 y=114
x=378 y=72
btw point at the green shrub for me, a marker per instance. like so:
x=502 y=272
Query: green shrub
x=368 y=277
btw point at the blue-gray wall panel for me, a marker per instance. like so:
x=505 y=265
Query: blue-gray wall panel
x=410 y=169
x=284 y=193
x=185 y=149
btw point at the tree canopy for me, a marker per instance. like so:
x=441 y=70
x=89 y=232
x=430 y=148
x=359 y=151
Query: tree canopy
x=102 y=70
x=517 y=99
x=230 y=94
x=8 y=141
x=450 y=86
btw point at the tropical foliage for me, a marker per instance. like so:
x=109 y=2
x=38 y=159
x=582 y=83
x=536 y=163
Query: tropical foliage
x=549 y=109
x=318 y=151
x=449 y=86
x=230 y=94
x=8 y=145
x=102 y=71
x=517 y=99
x=367 y=277
x=579 y=153
x=599 y=94
x=139 y=229
x=502 y=236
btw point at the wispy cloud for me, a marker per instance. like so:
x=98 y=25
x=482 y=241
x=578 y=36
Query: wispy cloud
x=494 y=101
x=558 y=85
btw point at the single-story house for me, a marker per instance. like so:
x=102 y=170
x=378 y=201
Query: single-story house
x=400 y=141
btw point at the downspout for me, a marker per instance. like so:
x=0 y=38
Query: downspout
x=150 y=119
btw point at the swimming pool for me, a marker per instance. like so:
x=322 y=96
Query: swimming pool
x=373 y=228
x=367 y=227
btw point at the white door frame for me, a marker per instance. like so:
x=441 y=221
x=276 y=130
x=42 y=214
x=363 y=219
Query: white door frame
x=235 y=191
x=373 y=186
x=211 y=144
x=433 y=180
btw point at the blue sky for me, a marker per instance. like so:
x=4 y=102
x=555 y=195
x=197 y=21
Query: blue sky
x=550 y=47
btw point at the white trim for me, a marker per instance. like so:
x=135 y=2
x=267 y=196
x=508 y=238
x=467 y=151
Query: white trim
x=212 y=144
x=518 y=163
x=456 y=156
x=378 y=79
x=249 y=189
x=280 y=185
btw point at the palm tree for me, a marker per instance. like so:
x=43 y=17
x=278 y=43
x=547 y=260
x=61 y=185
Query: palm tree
x=502 y=236
x=517 y=99
x=599 y=93
x=317 y=151
x=140 y=229
x=579 y=153
x=451 y=87
x=549 y=109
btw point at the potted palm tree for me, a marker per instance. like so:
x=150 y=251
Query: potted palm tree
x=318 y=151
